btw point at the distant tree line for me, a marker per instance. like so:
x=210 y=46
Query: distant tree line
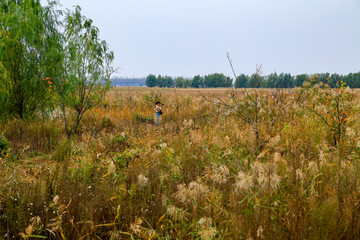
x=286 y=80
x=121 y=81
x=273 y=80
x=215 y=80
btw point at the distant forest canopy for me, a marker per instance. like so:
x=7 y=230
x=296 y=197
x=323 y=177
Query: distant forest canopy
x=273 y=80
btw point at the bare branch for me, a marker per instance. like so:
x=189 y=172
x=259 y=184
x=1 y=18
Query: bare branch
x=231 y=65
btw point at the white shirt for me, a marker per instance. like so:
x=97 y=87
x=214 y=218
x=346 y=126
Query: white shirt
x=157 y=108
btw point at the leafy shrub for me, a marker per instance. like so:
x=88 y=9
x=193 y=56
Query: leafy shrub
x=4 y=144
x=333 y=106
x=123 y=159
x=143 y=119
x=118 y=143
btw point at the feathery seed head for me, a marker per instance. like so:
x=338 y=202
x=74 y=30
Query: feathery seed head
x=176 y=213
x=136 y=227
x=299 y=175
x=277 y=157
x=208 y=234
x=221 y=174
x=322 y=158
x=259 y=232
x=195 y=191
x=243 y=182
x=142 y=180
x=313 y=168
x=163 y=145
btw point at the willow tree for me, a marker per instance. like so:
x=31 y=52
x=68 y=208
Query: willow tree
x=24 y=34
x=86 y=69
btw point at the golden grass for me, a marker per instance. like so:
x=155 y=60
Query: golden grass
x=201 y=174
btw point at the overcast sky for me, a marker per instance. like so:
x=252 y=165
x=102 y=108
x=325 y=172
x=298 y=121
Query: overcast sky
x=190 y=37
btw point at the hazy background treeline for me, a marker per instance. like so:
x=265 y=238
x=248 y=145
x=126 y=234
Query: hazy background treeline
x=273 y=80
x=128 y=82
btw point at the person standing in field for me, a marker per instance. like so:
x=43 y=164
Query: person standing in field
x=158 y=112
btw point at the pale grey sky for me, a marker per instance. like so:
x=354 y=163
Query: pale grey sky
x=190 y=37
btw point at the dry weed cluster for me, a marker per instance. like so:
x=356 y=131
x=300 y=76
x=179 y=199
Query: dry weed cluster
x=255 y=164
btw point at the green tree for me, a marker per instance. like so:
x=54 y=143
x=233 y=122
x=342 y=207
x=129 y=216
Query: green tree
x=255 y=80
x=300 y=79
x=216 y=80
x=25 y=30
x=179 y=82
x=151 y=80
x=285 y=80
x=160 y=81
x=323 y=77
x=242 y=81
x=187 y=83
x=87 y=67
x=168 y=82
x=356 y=80
x=197 y=82
x=4 y=83
x=334 y=79
x=271 y=80
x=5 y=89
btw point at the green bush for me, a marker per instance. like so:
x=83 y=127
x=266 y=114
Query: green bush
x=143 y=119
x=4 y=144
x=118 y=143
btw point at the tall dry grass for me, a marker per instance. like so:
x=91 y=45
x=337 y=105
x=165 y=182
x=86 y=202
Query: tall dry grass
x=202 y=174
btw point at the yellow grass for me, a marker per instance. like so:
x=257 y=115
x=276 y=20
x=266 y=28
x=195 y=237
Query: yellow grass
x=202 y=174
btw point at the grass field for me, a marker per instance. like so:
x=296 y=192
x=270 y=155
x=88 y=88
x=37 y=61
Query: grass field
x=223 y=164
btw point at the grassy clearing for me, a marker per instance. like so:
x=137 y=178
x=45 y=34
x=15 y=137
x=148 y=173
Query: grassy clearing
x=205 y=173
